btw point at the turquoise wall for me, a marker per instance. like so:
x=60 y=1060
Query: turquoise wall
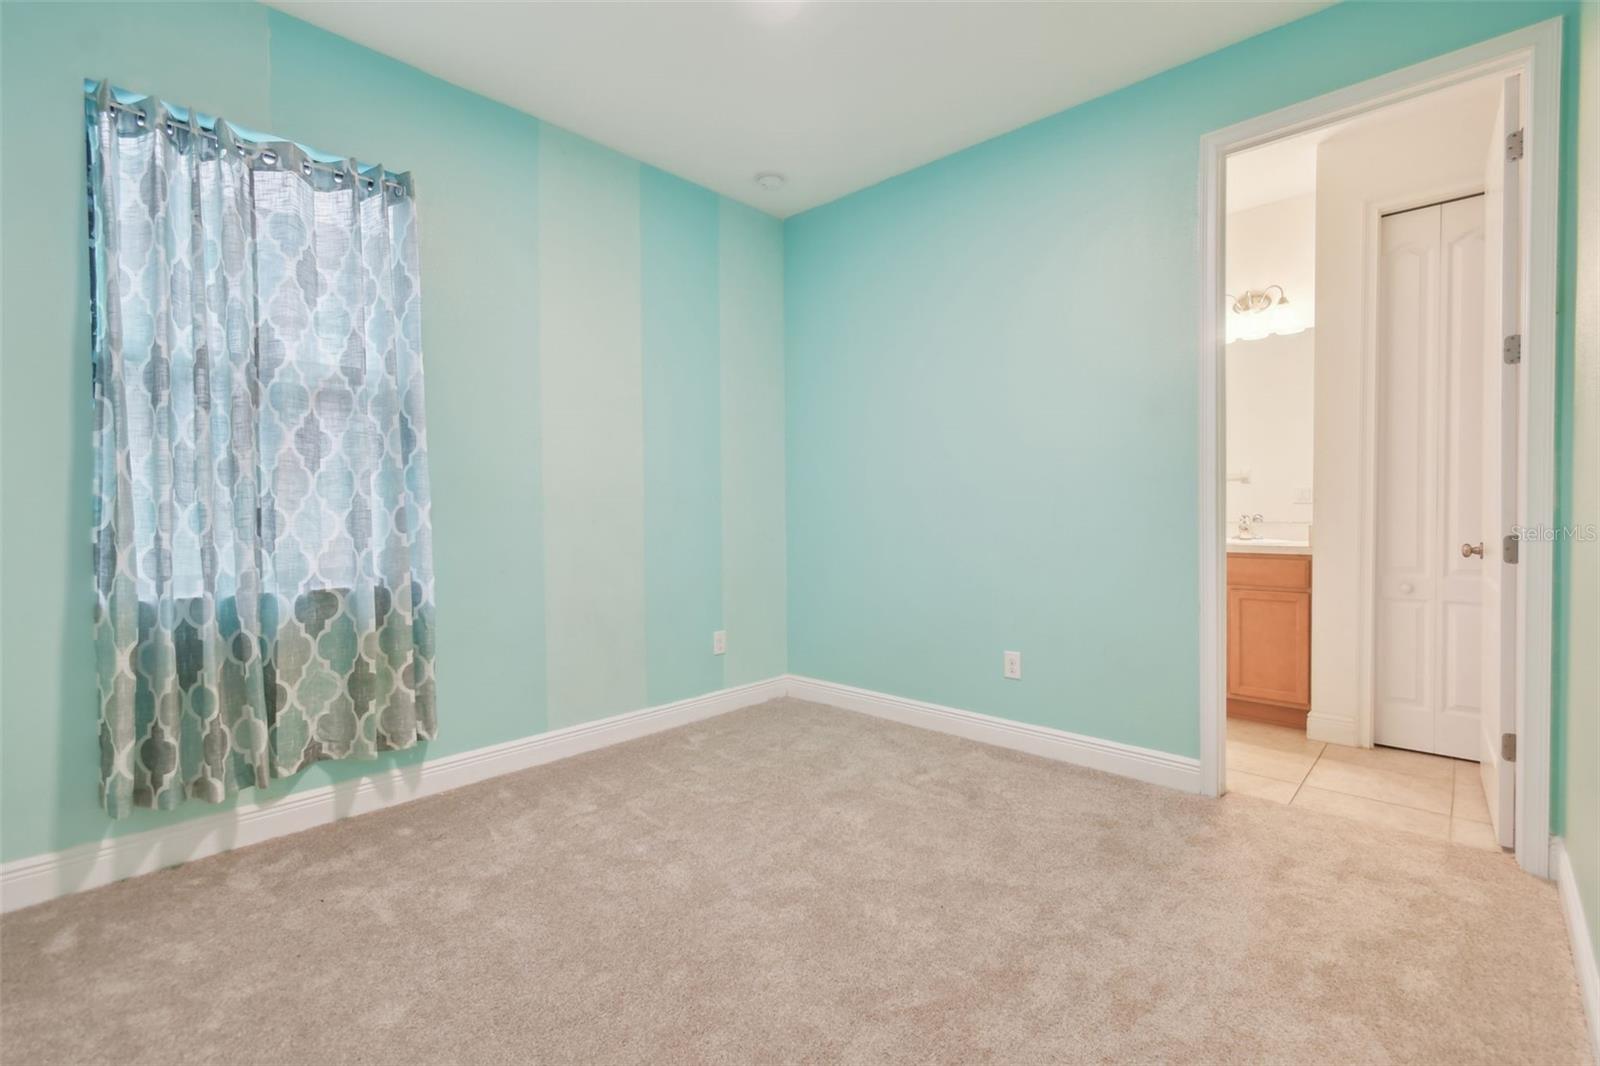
x=1578 y=782
x=992 y=392
x=986 y=367
x=604 y=356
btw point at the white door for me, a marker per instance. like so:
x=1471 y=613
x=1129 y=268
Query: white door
x=1430 y=415
x=1502 y=318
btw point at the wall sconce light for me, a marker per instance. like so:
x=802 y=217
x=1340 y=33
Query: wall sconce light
x=1262 y=313
x=1255 y=301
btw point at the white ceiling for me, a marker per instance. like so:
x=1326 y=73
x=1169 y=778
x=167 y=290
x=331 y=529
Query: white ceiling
x=1276 y=171
x=835 y=96
x=1282 y=169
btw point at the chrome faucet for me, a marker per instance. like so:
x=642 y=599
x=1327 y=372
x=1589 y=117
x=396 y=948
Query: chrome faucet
x=1246 y=521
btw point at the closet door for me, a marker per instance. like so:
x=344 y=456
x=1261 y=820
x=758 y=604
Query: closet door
x=1430 y=476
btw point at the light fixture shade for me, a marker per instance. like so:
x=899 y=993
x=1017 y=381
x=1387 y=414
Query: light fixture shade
x=1257 y=314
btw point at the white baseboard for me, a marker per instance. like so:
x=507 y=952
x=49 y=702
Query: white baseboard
x=1583 y=958
x=38 y=878
x=1333 y=730
x=1143 y=764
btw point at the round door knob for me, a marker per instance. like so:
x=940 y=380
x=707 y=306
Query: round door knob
x=1406 y=587
x=1469 y=550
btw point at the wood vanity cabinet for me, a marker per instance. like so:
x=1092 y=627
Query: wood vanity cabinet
x=1269 y=637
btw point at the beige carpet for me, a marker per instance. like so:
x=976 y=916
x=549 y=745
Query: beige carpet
x=798 y=883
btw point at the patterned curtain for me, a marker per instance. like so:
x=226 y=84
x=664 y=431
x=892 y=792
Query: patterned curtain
x=262 y=549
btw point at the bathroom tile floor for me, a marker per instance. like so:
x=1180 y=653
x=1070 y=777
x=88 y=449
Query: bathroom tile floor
x=1428 y=794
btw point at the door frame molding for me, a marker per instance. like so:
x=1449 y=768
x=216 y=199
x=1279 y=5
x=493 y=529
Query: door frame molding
x=1534 y=52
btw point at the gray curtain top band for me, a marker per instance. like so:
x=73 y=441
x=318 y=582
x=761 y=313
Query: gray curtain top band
x=192 y=130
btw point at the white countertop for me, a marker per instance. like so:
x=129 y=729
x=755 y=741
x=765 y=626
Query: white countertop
x=1269 y=546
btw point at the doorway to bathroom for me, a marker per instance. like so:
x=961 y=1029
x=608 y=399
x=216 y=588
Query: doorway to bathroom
x=1380 y=266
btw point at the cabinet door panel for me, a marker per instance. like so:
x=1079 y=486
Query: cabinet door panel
x=1269 y=646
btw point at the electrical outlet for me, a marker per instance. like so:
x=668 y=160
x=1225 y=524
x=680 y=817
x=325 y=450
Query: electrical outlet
x=719 y=642
x=1012 y=665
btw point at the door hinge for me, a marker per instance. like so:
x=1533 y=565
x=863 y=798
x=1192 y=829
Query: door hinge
x=1512 y=349
x=1508 y=747
x=1508 y=548
x=1514 y=145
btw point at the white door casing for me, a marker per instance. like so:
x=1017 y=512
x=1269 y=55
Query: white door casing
x=1430 y=474
x=1534 y=52
x=1502 y=304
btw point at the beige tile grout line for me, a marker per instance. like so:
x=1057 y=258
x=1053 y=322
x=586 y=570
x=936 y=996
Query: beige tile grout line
x=1303 y=777
x=1450 y=825
x=1450 y=815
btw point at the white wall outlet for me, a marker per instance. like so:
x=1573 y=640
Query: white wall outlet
x=1012 y=665
x=1302 y=495
x=719 y=642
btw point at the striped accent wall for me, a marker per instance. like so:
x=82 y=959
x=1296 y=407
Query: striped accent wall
x=603 y=346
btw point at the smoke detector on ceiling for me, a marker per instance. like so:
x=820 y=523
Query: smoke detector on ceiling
x=770 y=182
